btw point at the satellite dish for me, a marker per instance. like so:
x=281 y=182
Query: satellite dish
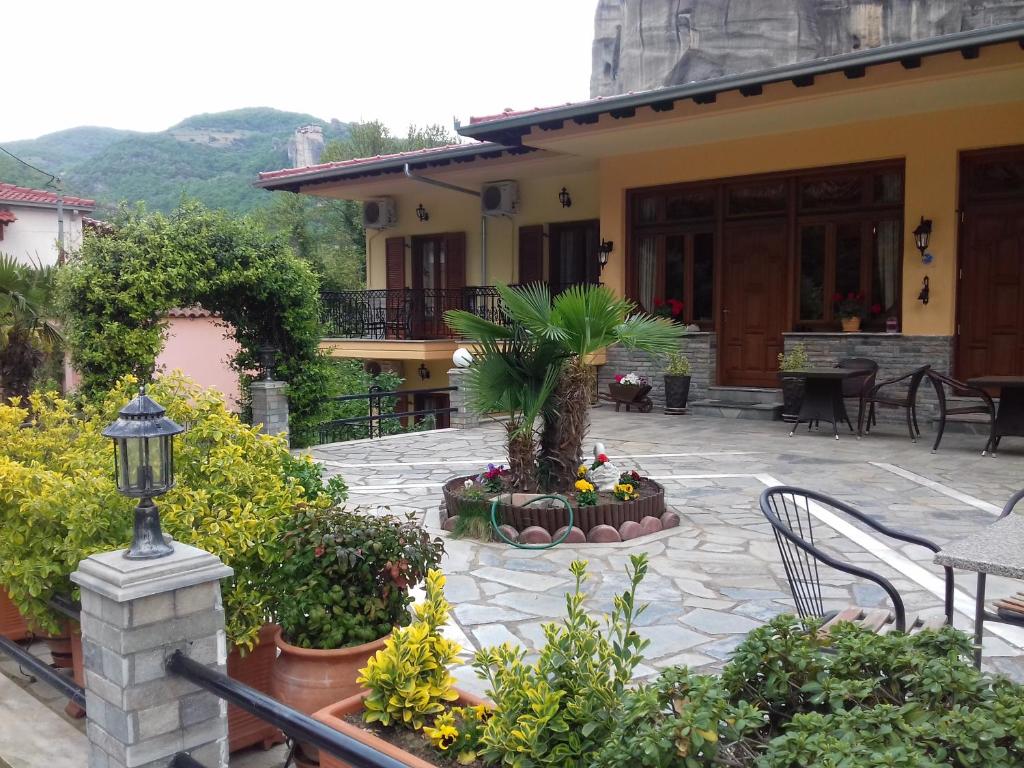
x=462 y=358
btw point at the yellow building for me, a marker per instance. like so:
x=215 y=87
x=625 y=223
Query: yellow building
x=750 y=201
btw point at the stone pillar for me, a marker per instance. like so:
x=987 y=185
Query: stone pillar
x=135 y=614
x=462 y=417
x=270 y=406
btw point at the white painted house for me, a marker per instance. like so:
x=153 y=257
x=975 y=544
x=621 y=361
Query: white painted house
x=30 y=223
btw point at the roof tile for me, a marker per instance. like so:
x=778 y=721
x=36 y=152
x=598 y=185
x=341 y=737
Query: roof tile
x=10 y=193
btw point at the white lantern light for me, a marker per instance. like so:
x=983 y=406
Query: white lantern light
x=462 y=358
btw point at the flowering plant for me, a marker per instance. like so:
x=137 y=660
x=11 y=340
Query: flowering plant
x=634 y=379
x=625 y=492
x=672 y=309
x=491 y=478
x=586 y=493
x=457 y=732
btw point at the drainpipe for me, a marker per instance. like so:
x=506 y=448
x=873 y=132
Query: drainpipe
x=483 y=219
x=60 y=221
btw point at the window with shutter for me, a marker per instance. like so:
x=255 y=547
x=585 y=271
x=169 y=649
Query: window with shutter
x=531 y=254
x=394 y=261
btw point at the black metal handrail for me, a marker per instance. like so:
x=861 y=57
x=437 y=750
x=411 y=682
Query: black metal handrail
x=378 y=403
x=294 y=723
x=43 y=671
x=408 y=313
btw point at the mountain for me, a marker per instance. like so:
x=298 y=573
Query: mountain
x=213 y=157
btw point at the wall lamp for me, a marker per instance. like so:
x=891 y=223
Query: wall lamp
x=424 y=372
x=421 y=213
x=922 y=234
x=603 y=250
x=565 y=198
x=923 y=295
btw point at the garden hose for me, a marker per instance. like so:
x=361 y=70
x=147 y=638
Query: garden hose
x=517 y=545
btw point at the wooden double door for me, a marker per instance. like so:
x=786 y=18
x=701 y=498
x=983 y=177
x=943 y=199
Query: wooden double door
x=990 y=296
x=754 y=302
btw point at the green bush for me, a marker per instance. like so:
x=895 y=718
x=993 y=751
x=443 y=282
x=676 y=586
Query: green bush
x=789 y=698
x=59 y=502
x=117 y=290
x=345 y=576
x=558 y=711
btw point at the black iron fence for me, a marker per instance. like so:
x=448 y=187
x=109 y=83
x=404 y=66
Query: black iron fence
x=387 y=413
x=407 y=313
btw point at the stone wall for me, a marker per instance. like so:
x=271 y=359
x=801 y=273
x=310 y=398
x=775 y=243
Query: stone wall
x=895 y=354
x=643 y=44
x=700 y=348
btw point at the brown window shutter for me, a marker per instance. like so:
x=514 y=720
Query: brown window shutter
x=394 y=253
x=455 y=256
x=531 y=254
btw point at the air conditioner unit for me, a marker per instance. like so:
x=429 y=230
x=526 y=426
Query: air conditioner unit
x=380 y=213
x=499 y=198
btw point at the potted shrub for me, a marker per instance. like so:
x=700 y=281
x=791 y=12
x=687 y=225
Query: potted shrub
x=408 y=694
x=850 y=310
x=342 y=586
x=792 y=386
x=677 y=383
x=235 y=488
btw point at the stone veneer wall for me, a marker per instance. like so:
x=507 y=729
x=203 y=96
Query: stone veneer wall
x=895 y=353
x=699 y=347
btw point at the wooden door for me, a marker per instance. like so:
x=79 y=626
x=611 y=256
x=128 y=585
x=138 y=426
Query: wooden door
x=991 y=294
x=753 y=303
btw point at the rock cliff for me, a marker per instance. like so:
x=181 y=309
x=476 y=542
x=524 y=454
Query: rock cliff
x=644 y=44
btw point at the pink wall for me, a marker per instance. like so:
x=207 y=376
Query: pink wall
x=198 y=345
x=202 y=348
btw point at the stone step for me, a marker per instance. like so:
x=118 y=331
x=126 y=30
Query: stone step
x=745 y=394
x=731 y=409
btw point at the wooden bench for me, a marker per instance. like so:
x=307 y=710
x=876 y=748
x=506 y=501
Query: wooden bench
x=882 y=621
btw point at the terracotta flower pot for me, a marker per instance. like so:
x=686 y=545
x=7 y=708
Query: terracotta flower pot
x=850 y=324
x=335 y=715
x=77 y=668
x=60 y=649
x=309 y=679
x=255 y=670
x=12 y=623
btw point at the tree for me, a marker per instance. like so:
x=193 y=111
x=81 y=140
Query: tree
x=539 y=358
x=26 y=332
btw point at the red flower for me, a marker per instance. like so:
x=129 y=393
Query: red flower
x=659 y=302
x=837 y=297
x=635 y=475
x=602 y=458
x=319 y=551
x=676 y=306
x=876 y=309
x=618 y=378
x=851 y=296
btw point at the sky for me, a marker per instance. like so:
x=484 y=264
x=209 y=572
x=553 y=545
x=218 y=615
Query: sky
x=147 y=64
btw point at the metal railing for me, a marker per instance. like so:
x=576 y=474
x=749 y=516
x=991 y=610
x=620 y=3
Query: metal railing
x=407 y=313
x=38 y=668
x=383 y=416
x=298 y=726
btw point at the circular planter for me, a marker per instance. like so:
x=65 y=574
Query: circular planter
x=511 y=512
x=677 y=392
x=309 y=679
x=792 y=395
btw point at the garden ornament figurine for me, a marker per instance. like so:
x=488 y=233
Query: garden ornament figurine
x=607 y=475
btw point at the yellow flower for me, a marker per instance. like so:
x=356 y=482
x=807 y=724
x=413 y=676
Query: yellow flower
x=481 y=711
x=582 y=470
x=627 y=488
x=583 y=485
x=442 y=737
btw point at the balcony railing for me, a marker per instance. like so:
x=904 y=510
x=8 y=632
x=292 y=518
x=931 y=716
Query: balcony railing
x=404 y=313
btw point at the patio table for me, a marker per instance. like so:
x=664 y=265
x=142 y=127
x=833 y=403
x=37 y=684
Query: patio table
x=823 y=396
x=997 y=549
x=1010 y=414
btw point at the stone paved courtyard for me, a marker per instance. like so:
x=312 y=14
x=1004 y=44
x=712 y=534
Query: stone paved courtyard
x=711 y=580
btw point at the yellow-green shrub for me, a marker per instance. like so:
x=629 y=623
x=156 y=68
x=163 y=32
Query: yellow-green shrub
x=59 y=502
x=408 y=679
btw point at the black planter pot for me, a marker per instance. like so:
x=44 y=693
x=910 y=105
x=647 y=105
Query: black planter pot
x=792 y=395
x=677 y=391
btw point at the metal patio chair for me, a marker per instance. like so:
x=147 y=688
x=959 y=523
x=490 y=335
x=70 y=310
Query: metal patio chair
x=793 y=514
x=1011 y=607
x=875 y=395
x=940 y=382
x=856 y=387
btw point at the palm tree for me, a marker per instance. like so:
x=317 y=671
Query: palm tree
x=581 y=320
x=26 y=334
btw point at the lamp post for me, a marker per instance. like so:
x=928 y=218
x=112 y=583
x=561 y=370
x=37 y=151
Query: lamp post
x=144 y=466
